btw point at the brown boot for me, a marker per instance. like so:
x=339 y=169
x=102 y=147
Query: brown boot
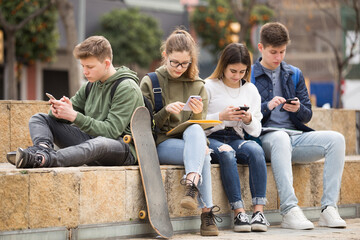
x=208 y=226
x=189 y=201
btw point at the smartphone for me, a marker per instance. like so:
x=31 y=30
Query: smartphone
x=243 y=108
x=50 y=96
x=288 y=101
x=187 y=107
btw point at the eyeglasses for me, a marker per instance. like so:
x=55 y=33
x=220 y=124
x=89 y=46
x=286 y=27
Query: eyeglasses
x=176 y=64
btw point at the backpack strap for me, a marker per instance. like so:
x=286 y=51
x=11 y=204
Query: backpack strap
x=157 y=91
x=295 y=76
x=112 y=91
x=87 y=89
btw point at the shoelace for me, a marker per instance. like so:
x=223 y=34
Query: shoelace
x=243 y=217
x=191 y=189
x=260 y=218
x=211 y=217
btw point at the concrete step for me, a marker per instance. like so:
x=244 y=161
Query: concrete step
x=108 y=199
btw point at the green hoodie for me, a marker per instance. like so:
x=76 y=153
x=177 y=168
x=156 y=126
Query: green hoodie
x=174 y=89
x=99 y=115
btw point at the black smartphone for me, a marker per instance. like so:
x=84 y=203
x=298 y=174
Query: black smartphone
x=288 y=101
x=243 y=108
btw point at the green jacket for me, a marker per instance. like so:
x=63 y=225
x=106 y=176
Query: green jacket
x=98 y=115
x=173 y=90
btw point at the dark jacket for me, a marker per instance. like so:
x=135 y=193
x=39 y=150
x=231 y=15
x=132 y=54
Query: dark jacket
x=265 y=88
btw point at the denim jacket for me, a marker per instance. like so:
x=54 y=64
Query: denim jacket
x=265 y=88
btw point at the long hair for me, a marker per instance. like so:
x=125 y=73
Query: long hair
x=180 y=41
x=232 y=54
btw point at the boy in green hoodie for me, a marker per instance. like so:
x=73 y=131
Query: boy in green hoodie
x=88 y=128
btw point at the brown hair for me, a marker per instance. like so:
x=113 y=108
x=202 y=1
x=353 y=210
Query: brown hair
x=180 y=41
x=274 y=34
x=232 y=54
x=95 y=46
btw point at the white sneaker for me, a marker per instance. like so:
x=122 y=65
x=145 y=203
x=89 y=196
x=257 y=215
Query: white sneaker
x=330 y=217
x=295 y=219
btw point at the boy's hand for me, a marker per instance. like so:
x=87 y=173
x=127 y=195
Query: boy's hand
x=293 y=107
x=276 y=101
x=63 y=109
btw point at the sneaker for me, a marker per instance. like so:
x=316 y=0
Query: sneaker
x=11 y=156
x=189 y=201
x=241 y=223
x=295 y=219
x=259 y=222
x=208 y=226
x=329 y=217
x=28 y=158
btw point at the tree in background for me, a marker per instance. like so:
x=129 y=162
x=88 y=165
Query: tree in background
x=349 y=25
x=30 y=34
x=221 y=22
x=135 y=37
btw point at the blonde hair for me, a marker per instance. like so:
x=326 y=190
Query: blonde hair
x=95 y=46
x=232 y=54
x=180 y=41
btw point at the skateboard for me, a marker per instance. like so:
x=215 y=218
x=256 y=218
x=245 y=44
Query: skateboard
x=156 y=203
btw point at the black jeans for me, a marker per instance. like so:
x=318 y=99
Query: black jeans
x=76 y=147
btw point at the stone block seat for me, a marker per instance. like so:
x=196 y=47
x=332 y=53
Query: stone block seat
x=104 y=202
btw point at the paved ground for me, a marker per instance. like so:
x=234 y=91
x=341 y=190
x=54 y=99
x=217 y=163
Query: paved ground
x=276 y=233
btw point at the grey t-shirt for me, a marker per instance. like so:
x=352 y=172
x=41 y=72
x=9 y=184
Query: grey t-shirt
x=277 y=118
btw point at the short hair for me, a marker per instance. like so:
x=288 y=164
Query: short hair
x=232 y=54
x=274 y=34
x=95 y=46
x=180 y=41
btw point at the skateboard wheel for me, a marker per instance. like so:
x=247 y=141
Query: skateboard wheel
x=127 y=138
x=142 y=214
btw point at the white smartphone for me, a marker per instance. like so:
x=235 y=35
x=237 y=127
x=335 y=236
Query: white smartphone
x=50 y=96
x=187 y=107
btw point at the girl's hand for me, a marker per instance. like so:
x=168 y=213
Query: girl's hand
x=175 y=107
x=196 y=105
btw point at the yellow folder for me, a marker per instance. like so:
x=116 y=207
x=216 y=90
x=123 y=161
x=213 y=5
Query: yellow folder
x=205 y=124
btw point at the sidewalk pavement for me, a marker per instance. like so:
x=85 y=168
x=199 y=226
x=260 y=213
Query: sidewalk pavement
x=352 y=231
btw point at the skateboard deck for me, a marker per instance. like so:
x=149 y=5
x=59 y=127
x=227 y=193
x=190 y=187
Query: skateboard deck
x=156 y=203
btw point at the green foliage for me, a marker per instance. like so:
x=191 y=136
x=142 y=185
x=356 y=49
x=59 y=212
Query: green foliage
x=38 y=39
x=134 y=36
x=212 y=22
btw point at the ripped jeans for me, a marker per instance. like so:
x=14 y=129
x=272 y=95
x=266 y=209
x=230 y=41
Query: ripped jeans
x=242 y=152
x=190 y=151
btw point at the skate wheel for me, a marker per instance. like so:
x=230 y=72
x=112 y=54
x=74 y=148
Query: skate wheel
x=127 y=138
x=142 y=214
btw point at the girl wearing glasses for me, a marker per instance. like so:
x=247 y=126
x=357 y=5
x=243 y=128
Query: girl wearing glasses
x=178 y=79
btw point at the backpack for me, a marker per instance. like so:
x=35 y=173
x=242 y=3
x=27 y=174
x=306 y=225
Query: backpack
x=157 y=93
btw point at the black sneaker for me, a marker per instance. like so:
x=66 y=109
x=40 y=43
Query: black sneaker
x=30 y=157
x=259 y=222
x=241 y=223
x=189 y=201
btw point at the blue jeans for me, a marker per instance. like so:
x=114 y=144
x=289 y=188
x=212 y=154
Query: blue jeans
x=304 y=148
x=77 y=147
x=243 y=152
x=190 y=151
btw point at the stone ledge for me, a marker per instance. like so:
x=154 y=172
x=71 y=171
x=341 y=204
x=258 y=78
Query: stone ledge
x=74 y=196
